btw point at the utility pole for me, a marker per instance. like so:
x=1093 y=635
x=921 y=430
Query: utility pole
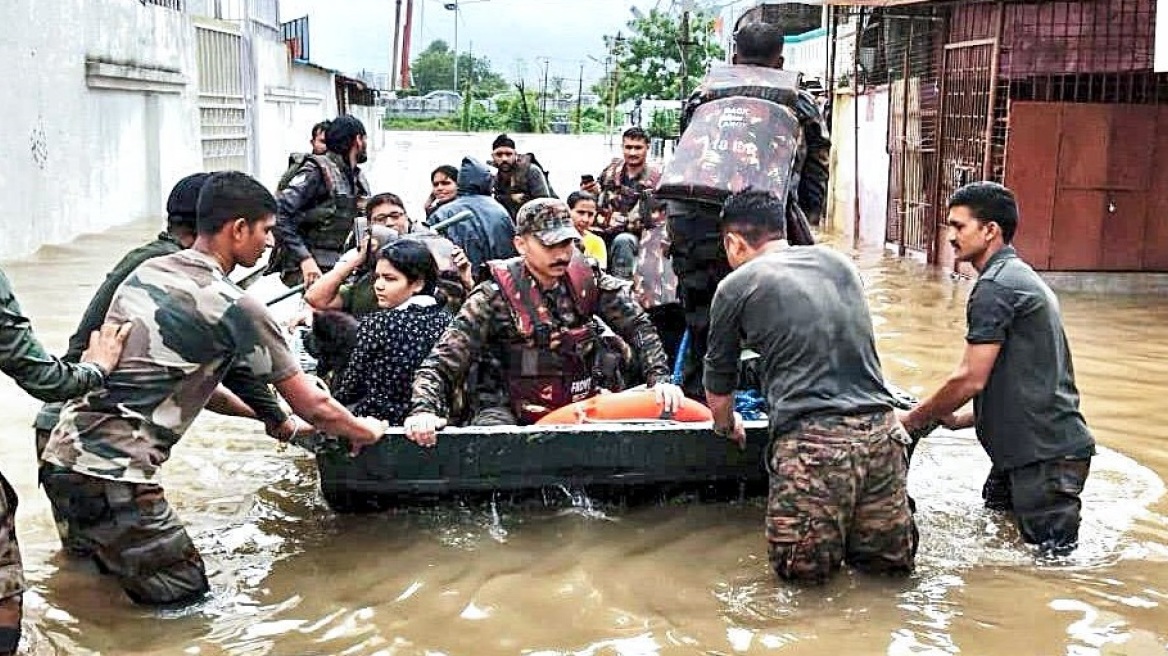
x=579 y=102
x=455 y=3
x=396 y=41
x=616 y=48
x=683 y=44
x=543 y=99
x=405 y=54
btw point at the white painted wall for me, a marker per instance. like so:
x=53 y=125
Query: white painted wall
x=90 y=148
x=78 y=159
x=294 y=97
x=872 y=143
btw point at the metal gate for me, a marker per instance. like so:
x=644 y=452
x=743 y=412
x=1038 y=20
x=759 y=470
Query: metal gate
x=222 y=106
x=968 y=87
x=911 y=152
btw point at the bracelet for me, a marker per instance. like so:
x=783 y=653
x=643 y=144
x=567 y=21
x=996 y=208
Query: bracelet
x=723 y=431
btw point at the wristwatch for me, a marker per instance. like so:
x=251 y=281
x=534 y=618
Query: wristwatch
x=723 y=431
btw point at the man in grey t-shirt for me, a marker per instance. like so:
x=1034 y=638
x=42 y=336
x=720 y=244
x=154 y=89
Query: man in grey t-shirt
x=837 y=456
x=1017 y=369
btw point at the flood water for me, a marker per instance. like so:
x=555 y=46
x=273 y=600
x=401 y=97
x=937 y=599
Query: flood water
x=291 y=577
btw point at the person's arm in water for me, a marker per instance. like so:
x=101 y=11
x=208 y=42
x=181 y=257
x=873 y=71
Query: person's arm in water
x=46 y=377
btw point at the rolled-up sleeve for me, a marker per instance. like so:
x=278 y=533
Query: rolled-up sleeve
x=990 y=313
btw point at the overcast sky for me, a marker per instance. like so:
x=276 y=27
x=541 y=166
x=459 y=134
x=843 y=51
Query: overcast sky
x=351 y=35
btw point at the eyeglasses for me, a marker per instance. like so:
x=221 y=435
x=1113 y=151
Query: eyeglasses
x=387 y=216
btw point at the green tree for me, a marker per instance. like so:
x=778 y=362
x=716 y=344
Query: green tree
x=648 y=62
x=433 y=69
x=665 y=123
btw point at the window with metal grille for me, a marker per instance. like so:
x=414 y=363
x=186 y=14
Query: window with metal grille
x=176 y=5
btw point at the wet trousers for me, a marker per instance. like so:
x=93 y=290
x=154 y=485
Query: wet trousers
x=132 y=533
x=12 y=584
x=838 y=493
x=1044 y=499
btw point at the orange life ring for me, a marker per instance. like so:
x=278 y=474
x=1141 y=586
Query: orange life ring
x=631 y=405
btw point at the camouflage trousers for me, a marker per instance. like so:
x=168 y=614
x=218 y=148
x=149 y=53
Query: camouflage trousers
x=12 y=583
x=838 y=494
x=133 y=532
x=1044 y=498
x=11 y=572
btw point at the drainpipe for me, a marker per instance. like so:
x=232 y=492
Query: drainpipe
x=856 y=131
x=904 y=144
x=396 y=45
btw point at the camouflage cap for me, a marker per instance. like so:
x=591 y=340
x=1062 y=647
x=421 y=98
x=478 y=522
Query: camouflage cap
x=549 y=219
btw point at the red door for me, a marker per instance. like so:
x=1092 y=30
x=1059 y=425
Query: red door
x=1086 y=185
x=1155 y=256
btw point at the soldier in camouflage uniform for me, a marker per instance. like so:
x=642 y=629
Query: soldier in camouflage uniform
x=179 y=235
x=192 y=325
x=634 y=223
x=319 y=205
x=698 y=257
x=837 y=458
x=536 y=316
x=24 y=359
x=624 y=186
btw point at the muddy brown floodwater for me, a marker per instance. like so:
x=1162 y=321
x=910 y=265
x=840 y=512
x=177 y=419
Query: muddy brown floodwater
x=291 y=577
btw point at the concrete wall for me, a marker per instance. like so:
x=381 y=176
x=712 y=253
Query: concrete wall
x=294 y=97
x=872 y=141
x=81 y=159
x=101 y=103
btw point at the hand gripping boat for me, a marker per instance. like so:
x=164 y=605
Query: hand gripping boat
x=621 y=456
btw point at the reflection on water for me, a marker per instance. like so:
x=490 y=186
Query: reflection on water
x=574 y=577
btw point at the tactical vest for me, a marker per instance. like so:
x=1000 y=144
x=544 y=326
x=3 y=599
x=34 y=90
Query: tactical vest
x=295 y=163
x=516 y=193
x=743 y=133
x=326 y=226
x=548 y=368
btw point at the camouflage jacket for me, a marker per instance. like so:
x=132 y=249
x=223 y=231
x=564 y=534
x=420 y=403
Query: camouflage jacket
x=654 y=281
x=192 y=326
x=485 y=327
x=249 y=389
x=24 y=359
x=812 y=166
x=621 y=196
